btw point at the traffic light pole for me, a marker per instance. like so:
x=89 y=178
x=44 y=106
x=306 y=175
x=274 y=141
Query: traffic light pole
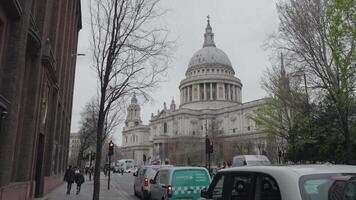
x=90 y=160
x=209 y=162
x=110 y=153
x=206 y=146
x=109 y=172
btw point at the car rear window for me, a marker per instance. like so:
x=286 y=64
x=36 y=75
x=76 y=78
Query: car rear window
x=328 y=187
x=151 y=173
x=190 y=177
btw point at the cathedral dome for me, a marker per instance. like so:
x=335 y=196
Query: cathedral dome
x=209 y=56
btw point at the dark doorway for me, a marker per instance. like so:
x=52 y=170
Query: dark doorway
x=39 y=164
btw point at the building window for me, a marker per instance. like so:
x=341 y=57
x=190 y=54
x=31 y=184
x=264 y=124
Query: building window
x=165 y=127
x=233 y=130
x=248 y=128
x=193 y=132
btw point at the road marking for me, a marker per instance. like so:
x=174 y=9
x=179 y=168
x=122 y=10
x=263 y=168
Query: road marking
x=121 y=190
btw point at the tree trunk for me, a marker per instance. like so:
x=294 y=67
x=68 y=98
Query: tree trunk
x=99 y=137
x=348 y=159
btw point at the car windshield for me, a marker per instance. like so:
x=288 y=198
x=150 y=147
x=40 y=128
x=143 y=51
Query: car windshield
x=328 y=187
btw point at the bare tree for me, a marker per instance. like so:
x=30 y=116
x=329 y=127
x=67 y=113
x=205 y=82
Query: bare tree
x=130 y=54
x=319 y=37
x=88 y=126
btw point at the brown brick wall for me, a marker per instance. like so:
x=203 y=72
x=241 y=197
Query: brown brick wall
x=36 y=87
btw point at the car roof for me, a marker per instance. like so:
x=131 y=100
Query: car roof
x=297 y=170
x=156 y=166
x=173 y=168
x=251 y=157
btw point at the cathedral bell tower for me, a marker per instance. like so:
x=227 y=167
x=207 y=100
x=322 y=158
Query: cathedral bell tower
x=133 y=113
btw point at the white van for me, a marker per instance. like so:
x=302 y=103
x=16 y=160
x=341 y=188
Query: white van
x=250 y=160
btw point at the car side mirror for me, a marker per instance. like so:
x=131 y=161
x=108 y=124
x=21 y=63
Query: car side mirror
x=152 y=181
x=204 y=193
x=134 y=174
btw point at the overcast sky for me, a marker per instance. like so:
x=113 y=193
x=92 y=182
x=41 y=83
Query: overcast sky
x=240 y=26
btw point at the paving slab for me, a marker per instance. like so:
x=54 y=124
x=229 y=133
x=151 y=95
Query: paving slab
x=86 y=192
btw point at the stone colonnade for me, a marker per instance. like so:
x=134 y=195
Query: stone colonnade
x=209 y=91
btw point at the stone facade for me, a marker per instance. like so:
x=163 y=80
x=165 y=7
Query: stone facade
x=38 y=44
x=74 y=146
x=211 y=105
x=135 y=136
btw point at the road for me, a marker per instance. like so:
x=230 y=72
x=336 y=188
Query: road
x=123 y=184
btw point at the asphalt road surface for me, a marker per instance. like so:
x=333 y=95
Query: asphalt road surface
x=124 y=185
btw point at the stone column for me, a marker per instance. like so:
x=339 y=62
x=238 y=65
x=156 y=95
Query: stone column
x=224 y=92
x=198 y=85
x=229 y=92
x=217 y=91
x=205 y=91
x=233 y=92
x=211 y=91
x=181 y=96
x=188 y=96
x=237 y=93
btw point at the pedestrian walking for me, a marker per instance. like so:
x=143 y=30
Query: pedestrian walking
x=69 y=177
x=79 y=180
x=91 y=170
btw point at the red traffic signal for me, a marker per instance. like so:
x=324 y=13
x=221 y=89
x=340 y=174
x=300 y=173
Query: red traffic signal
x=111 y=148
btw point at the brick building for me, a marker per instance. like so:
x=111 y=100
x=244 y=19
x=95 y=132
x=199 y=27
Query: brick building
x=38 y=48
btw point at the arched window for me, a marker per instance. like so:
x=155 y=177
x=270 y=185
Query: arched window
x=165 y=127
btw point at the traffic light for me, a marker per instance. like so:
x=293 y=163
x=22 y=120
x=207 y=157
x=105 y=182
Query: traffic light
x=209 y=146
x=111 y=148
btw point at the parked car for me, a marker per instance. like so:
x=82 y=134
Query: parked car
x=305 y=182
x=250 y=160
x=142 y=179
x=179 y=183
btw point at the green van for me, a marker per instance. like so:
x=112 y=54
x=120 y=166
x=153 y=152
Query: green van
x=179 y=183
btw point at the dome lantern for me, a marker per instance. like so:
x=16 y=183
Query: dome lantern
x=209 y=35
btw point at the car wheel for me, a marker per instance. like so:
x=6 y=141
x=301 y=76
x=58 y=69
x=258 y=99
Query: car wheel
x=143 y=196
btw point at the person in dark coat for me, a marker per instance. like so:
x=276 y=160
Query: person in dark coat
x=79 y=180
x=69 y=177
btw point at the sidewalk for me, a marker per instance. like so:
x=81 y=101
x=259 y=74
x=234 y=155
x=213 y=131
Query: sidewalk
x=86 y=192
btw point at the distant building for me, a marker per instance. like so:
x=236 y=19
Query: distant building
x=135 y=135
x=74 y=146
x=211 y=105
x=38 y=47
